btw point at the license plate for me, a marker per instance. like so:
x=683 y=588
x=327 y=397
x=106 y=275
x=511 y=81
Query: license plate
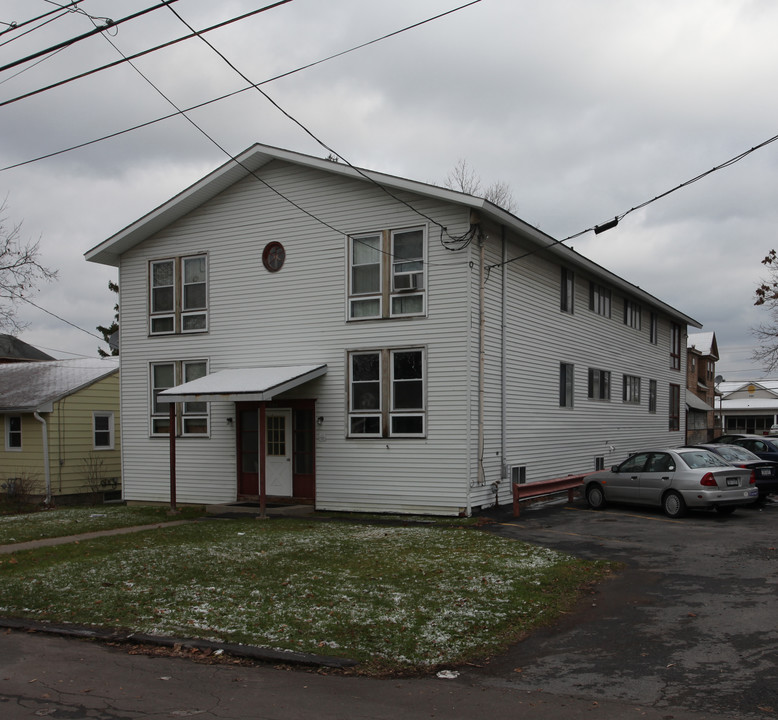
x=732 y=482
x=765 y=472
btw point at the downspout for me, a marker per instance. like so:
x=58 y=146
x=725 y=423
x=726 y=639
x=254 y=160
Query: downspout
x=46 y=468
x=503 y=363
x=481 y=354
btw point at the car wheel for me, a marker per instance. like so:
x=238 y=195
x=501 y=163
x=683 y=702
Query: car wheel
x=673 y=505
x=595 y=497
x=725 y=509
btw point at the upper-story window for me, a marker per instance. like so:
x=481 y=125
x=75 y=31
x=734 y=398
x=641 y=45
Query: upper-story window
x=653 y=328
x=675 y=346
x=600 y=299
x=178 y=295
x=567 y=291
x=387 y=274
x=632 y=314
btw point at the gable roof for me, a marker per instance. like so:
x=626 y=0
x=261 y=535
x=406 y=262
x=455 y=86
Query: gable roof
x=704 y=343
x=31 y=387
x=250 y=161
x=14 y=350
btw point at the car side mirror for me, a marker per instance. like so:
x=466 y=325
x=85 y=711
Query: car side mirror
x=614 y=468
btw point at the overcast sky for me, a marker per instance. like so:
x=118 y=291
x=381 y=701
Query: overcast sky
x=586 y=109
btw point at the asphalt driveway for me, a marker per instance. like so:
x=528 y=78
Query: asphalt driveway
x=691 y=622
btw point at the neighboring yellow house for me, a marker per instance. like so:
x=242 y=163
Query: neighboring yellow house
x=60 y=422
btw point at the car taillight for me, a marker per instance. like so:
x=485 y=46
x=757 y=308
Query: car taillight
x=708 y=480
x=752 y=478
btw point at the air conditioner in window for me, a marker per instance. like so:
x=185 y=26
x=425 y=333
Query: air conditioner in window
x=408 y=281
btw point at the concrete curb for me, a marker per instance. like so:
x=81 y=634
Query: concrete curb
x=251 y=652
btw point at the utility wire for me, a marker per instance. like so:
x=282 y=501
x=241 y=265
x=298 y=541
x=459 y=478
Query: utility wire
x=465 y=238
x=612 y=223
x=37 y=27
x=136 y=55
x=217 y=99
x=15 y=26
x=94 y=31
x=48 y=312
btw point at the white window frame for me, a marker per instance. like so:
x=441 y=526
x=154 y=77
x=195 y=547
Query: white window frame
x=9 y=432
x=194 y=312
x=360 y=413
x=163 y=314
x=388 y=292
x=103 y=414
x=180 y=313
x=418 y=413
x=181 y=414
x=188 y=411
x=416 y=277
x=386 y=382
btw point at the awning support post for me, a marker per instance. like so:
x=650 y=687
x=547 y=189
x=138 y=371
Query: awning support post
x=262 y=456
x=172 y=427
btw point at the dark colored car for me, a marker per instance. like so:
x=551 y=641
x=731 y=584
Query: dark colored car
x=765 y=471
x=761 y=445
x=674 y=479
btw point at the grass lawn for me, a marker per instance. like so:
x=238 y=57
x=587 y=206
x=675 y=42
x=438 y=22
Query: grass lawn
x=397 y=599
x=76 y=520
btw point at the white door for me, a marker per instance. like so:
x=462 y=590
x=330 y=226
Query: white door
x=278 y=452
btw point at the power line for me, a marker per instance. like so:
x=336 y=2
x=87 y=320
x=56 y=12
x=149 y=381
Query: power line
x=612 y=223
x=216 y=99
x=15 y=26
x=48 y=312
x=79 y=38
x=136 y=55
x=461 y=241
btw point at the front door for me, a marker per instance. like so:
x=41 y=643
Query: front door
x=278 y=452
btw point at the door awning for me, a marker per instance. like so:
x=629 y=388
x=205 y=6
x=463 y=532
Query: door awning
x=243 y=385
x=694 y=403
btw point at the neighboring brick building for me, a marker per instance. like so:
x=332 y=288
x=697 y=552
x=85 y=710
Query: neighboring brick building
x=702 y=352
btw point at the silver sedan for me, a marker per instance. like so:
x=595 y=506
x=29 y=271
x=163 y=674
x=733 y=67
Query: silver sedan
x=674 y=479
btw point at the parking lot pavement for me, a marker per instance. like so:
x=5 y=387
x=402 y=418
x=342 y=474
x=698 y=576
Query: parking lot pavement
x=691 y=621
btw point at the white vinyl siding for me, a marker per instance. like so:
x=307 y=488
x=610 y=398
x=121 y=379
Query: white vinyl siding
x=304 y=315
x=297 y=317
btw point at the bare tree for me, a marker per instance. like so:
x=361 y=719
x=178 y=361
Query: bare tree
x=767 y=333
x=20 y=272
x=465 y=179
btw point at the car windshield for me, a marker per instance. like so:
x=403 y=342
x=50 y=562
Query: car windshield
x=701 y=459
x=733 y=453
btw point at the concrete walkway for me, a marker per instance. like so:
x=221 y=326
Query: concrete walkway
x=64 y=540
